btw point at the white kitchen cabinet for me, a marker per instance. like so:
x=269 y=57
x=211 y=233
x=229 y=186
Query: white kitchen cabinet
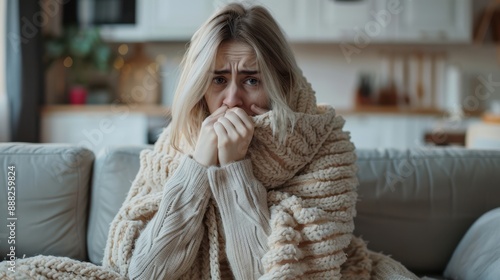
x=435 y=21
x=364 y=131
x=358 y=22
x=293 y=16
x=388 y=131
x=177 y=20
x=361 y=22
x=95 y=130
x=397 y=21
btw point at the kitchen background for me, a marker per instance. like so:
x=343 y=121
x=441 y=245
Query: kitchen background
x=403 y=73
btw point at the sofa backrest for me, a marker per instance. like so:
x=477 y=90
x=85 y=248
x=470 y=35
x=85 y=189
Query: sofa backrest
x=50 y=195
x=114 y=170
x=416 y=205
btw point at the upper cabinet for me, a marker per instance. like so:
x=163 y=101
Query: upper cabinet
x=340 y=21
x=435 y=21
x=394 y=21
x=359 y=21
x=294 y=17
x=177 y=20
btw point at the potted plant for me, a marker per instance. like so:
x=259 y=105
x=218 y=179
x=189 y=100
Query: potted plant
x=82 y=52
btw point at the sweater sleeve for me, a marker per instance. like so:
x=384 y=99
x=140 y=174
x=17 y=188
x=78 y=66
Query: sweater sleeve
x=242 y=202
x=168 y=245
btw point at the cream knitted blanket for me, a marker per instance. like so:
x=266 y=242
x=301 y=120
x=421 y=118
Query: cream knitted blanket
x=311 y=183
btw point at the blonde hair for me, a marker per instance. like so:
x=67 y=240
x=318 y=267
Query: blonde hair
x=280 y=75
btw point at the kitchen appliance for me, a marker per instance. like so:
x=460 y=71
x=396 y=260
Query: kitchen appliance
x=100 y=12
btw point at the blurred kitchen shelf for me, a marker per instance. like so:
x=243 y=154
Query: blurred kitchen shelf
x=150 y=110
x=491 y=118
x=391 y=110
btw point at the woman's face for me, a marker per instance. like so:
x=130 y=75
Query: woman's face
x=236 y=80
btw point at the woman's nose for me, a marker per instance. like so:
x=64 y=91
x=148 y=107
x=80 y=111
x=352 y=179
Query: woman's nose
x=232 y=97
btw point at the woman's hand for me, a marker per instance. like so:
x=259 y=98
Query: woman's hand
x=206 y=150
x=234 y=133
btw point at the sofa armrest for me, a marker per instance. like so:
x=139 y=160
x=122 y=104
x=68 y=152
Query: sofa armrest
x=51 y=199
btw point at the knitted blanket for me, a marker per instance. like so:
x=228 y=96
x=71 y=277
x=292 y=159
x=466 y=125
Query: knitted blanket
x=311 y=183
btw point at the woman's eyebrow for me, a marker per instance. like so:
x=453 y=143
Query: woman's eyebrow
x=226 y=71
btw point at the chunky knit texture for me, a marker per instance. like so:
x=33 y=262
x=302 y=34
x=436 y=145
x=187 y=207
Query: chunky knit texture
x=311 y=196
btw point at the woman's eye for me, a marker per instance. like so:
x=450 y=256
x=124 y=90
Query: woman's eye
x=219 y=80
x=252 y=82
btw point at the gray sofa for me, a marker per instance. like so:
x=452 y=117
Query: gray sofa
x=414 y=205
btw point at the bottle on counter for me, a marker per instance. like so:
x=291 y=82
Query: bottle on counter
x=364 y=91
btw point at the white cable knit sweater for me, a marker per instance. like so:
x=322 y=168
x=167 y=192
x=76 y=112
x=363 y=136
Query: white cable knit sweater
x=285 y=212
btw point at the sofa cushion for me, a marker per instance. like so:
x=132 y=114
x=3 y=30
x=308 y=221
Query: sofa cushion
x=114 y=170
x=417 y=204
x=478 y=254
x=51 y=199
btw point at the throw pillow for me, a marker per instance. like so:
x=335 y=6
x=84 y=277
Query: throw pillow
x=478 y=253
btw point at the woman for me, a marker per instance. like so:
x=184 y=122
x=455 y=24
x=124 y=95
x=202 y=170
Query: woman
x=252 y=179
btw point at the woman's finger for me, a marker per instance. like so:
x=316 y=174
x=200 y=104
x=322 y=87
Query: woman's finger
x=218 y=113
x=221 y=133
x=244 y=118
x=228 y=126
x=222 y=108
x=239 y=124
